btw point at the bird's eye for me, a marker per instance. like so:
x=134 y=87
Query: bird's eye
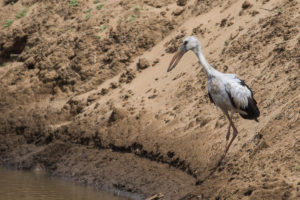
x=185 y=42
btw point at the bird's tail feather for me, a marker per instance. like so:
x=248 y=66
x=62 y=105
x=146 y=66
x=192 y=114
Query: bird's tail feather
x=251 y=110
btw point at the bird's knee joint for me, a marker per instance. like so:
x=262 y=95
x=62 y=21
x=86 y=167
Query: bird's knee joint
x=235 y=132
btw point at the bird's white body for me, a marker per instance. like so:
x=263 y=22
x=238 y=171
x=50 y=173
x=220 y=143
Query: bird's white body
x=226 y=91
x=220 y=85
x=216 y=88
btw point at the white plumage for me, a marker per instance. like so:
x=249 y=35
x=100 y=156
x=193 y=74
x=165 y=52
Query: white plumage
x=226 y=91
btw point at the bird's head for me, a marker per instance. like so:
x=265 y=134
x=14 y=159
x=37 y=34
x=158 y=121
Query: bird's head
x=189 y=43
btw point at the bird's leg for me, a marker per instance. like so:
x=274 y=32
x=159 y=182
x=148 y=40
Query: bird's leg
x=228 y=133
x=227 y=137
x=235 y=132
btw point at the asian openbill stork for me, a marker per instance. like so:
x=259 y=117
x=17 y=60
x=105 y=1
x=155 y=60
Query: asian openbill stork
x=226 y=91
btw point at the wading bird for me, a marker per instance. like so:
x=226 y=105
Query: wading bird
x=226 y=91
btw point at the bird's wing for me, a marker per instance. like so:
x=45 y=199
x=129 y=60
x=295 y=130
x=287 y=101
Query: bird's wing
x=238 y=92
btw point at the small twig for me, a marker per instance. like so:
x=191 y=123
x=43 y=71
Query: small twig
x=14 y=55
x=283 y=42
x=267 y=9
x=232 y=37
x=156 y=197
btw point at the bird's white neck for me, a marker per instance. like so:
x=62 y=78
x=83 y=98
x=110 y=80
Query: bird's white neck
x=209 y=70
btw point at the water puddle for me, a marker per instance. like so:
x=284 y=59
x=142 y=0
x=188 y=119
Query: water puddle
x=16 y=185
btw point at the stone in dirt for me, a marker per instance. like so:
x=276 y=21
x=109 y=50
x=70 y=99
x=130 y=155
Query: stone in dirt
x=181 y=2
x=143 y=63
x=117 y=114
x=127 y=76
x=246 y=5
x=178 y=11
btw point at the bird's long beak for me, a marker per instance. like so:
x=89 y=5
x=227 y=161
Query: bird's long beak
x=175 y=60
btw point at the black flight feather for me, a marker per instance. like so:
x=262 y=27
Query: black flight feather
x=210 y=98
x=251 y=109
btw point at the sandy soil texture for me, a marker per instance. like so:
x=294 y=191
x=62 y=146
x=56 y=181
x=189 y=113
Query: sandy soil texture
x=85 y=95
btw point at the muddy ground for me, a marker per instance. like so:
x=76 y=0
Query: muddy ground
x=85 y=95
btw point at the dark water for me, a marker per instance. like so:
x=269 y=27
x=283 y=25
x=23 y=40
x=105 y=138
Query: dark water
x=18 y=185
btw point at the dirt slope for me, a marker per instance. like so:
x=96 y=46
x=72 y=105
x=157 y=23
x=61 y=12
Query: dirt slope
x=85 y=95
